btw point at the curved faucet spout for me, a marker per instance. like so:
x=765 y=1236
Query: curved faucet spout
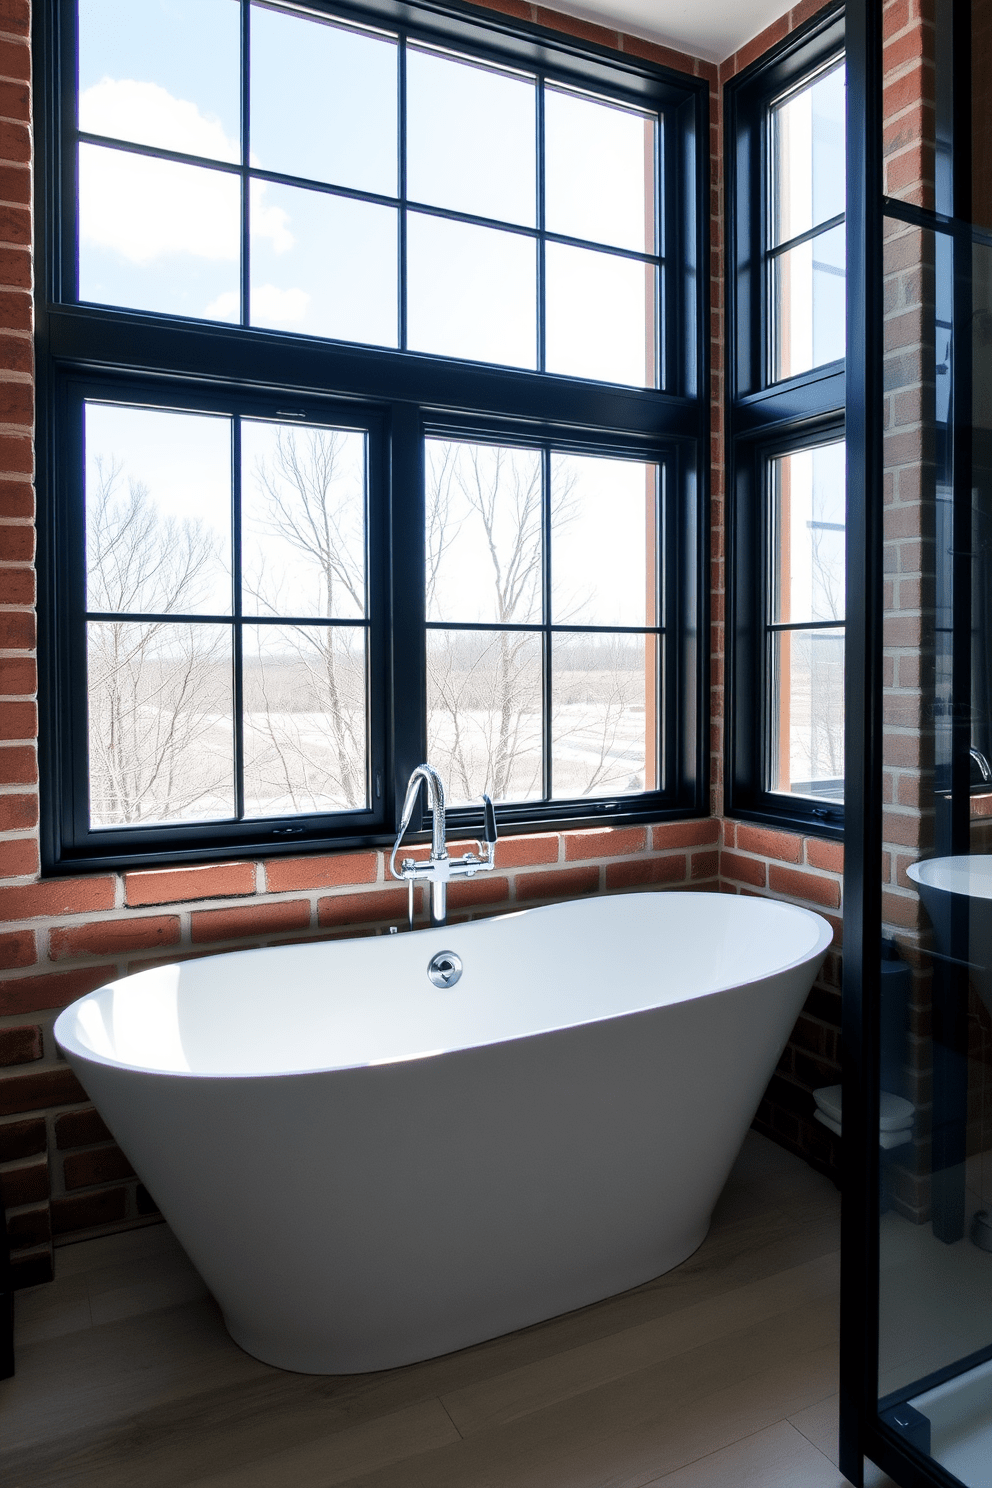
x=439 y=868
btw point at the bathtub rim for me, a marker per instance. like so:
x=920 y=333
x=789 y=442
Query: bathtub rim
x=72 y=1046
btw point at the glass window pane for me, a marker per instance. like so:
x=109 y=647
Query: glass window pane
x=164 y=73
x=161 y=731
x=323 y=101
x=809 y=304
x=601 y=316
x=600 y=171
x=807 y=157
x=305 y=730
x=472 y=292
x=156 y=235
x=158 y=511
x=807 y=744
x=808 y=516
x=471 y=138
x=483 y=528
x=484 y=721
x=303 y=503
x=602 y=701
x=604 y=541
x=323 y=265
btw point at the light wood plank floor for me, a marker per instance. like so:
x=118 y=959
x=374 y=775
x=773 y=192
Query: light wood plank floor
x=720 y=1374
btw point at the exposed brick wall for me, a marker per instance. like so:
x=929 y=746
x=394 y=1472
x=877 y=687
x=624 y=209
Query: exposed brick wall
x=61 y=1172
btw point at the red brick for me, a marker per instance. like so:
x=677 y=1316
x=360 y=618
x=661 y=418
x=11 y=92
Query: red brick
x=55 y=896
x=33 y=994
x=18 y=676
x=704 y=864
x=684 y=833
x=362 y=909
x=527 y=851
x=15 y=186
x=289 y=875
x=556 y=21
x=802 y=12
x=16 y=308
x=15 y=140
x=636 y=872
x=80 y=1129
x=558 y=885
x=17 y=948
x=15 y=273
x=16 y=538
x=22 y=1138
x=102 y=1165
x=519 y=8
x=663 y=56
x=114 y=937
x=742 y=870
x=824 y=854
x=15 y=99
x=15 y=227
x=825 y=891
x=18 y=857
x=29 y=1228
x=50 y=1087
x=18 y=811
x=17 y=633
x=604 y=842
x=483 y=889
x=20 y=1045
x=19 y=720
x=169 y=886
x=18 y=766
x=761 y=43
x=26 y=1184
x=16 y=584
x=785 y=846
x=255 y=919
x=16 y=496
x=15 y=15
x=88 y=1211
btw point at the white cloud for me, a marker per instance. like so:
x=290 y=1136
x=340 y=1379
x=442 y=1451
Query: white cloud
x=273 y=306
x=150 y=115
x=145 y=208
x=226 y=306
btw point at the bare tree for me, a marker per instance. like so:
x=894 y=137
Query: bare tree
x=306 y=690
x=154 y=687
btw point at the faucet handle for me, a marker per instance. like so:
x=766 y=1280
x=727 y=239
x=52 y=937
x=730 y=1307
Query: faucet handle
x=490 y=834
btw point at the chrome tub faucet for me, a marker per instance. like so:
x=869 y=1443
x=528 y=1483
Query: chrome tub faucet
x=439 y=868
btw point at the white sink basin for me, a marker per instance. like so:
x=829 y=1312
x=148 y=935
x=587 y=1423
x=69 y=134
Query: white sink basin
x=939 y=881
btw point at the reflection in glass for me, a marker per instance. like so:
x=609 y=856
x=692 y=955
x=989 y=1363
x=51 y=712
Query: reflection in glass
x=471 y=138
x=807 y=725
x=601 y=693
x=600 y=171
x=157 y=235
x=472 y=292
x=483 y=529
x=303 y=505
x=603 y=541
x=161 y=732
x=323 y=101
x=163 y=73
x=808 y=518
x=806 y=149
x=808 y=301
x=158 y=511
x=305 y=741
x=323 y=265
x=484 y=715
x=601 y=316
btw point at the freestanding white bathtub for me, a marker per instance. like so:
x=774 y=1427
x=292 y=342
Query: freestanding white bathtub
x=369 y=1170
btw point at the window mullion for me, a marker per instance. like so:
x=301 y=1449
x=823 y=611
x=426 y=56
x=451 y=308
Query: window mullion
x=546 y=699
x=245 y=157
x=237 y=647
x=401 y=178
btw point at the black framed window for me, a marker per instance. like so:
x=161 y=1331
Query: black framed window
x=786 y=473
x=369 y=430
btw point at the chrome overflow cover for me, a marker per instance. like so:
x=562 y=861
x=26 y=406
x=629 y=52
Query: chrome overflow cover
x=445 y=968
